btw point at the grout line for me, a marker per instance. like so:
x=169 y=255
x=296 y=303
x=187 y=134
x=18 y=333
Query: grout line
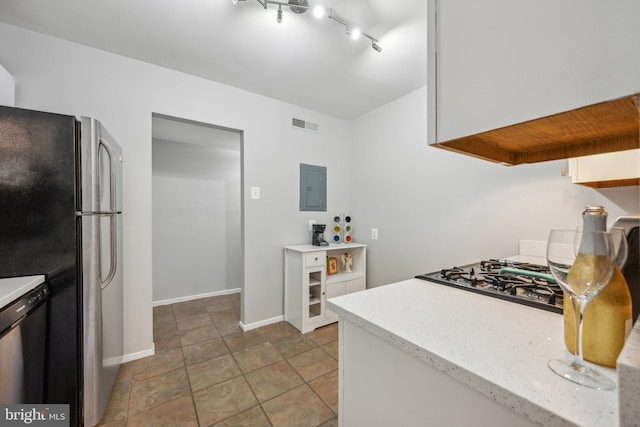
x=243 y=374
x=186 y=371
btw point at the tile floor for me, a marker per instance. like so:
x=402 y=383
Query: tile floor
x=207 y=372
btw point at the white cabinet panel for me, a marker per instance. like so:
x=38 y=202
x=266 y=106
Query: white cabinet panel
x=381 y=385
x=499 y=62
x=355 y=285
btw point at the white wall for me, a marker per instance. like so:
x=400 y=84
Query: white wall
x=7 y=88
x=436 y=209
x=196 y=219
x=433 y=208
x=59 y=76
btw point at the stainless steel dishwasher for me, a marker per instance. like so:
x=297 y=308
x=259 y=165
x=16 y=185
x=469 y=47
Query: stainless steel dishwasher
x=23 y=326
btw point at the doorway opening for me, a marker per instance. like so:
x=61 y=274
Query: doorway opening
x=197 y=210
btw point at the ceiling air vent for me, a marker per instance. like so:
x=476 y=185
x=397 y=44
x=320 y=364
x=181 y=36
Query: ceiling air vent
x=301 y=124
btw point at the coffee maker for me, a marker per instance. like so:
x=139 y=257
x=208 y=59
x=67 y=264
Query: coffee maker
x=317 y=238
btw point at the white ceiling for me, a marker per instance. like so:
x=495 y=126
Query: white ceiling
x=305 y=61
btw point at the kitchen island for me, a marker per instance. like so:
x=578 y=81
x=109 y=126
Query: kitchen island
x=417 y=353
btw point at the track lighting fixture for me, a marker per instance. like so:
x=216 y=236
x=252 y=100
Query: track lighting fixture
x=301 y=6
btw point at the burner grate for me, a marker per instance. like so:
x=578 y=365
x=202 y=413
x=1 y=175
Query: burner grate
x=524 y=283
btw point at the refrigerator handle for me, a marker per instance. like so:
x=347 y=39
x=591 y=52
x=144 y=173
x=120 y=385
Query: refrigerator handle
x=112 y=217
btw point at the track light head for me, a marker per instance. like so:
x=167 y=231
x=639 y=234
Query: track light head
x=299 y=6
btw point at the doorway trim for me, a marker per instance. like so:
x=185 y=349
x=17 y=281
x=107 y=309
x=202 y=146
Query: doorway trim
x=241 y=290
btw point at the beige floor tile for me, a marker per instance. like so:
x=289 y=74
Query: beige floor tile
x=149 y=391
x=198 y=335
x=167 y=343
x=229 y=314
x=257 y=356
x=279 y=330
x=204 y=351
x=188 y=309
x=157 y=390
x=221 y=302
x=313 y=363
x=325 y=334
x=212 y=371
x=163 y=313
x=293 y=344
x=333 y=422
x=115 y=424
x=158 y=364
x=192 y=322
x=332 y=349
x=272 y=380
x=326 y=386
x=118 y=405
x=299 y=407
x=164 y=330
x=242 y=340
x=228 y=327
x=221 y=401
x=176 y=413
x=254 y=417
x=125 y=372
x=233 y=298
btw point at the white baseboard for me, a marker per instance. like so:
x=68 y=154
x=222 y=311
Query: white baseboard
x=265 y=322
x=139 y=355
x=193 y=297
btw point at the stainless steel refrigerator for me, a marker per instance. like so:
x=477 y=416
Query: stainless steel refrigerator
x=61 y=216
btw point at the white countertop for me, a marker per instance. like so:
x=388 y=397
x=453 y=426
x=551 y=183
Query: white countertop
x=497 y=347
x=14 y=287
x=330 y=247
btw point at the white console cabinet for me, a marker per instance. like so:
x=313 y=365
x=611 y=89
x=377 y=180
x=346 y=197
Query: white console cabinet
x=307 y=285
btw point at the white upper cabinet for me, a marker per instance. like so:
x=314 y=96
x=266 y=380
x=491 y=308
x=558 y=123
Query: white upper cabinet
x=618 y=169
x=496 y=63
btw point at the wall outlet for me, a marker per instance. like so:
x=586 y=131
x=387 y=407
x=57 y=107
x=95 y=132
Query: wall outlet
x=311 y=224
x=255 y=193
x=374 y=234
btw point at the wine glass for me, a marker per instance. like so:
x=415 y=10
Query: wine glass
x=582 y=263
x=619 y=239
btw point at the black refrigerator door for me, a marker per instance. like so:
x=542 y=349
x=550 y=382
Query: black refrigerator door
x=38 y=231
x=37 y=192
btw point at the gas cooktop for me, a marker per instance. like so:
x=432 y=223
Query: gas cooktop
x=519 y=282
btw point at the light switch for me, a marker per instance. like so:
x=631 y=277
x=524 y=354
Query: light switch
x=311 y=224
x=255 y=193
x=374 y=234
